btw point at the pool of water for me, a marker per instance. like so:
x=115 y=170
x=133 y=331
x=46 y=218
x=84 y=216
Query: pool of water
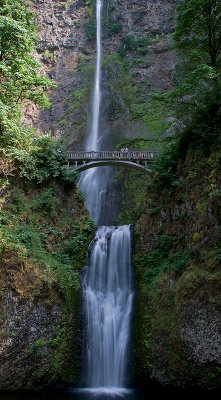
x=150 y=393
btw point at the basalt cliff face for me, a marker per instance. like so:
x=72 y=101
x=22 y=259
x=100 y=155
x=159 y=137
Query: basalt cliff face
x=177 y=321
x=66 y=51
x=38 y=316
x=177 y=234
x=177 y=260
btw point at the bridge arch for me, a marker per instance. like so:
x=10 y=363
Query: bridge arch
x=103 y=163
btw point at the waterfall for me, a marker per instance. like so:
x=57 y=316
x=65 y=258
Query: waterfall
x=108 y=300
x=107 y=283
x=93 y=182
x=92 y=143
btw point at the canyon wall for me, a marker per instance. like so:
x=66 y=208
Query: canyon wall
x=66 y=51
x=177 y=262
x=176 y=231
x=44 y=238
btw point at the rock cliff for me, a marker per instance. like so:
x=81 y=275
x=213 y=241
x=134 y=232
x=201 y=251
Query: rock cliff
x=177 y=259
x=66 y=51
x=38 y=307
x=177 y=231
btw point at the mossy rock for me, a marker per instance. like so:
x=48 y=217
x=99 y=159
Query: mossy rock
x=196 y=237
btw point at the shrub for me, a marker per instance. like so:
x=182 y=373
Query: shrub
x=196 y=237
x=155 y=263
x=138 y=45
x=46 y=203
x=90 y=29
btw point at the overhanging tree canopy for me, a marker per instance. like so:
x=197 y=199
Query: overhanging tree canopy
x=19 y=77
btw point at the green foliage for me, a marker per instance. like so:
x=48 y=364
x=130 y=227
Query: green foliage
x=42 y=160
x=197 y=39
x=59 y=336
x=88 y=226
x=195 y=99
x=162 y=258
x=33 y=159
x=199 y=30
x=115 y=27
x=110 y=26
x=148 y=143
x=20 y=80
x=155 y=262
x=37 y=346
x=46 y=203
x=120 y=73
x=24 y=239
x=90 y=24
x=77 y=96
x=196 y=237
x=132 y=44
x=201 y=138
x=153 y=114
x=60 y=367
x=64 y=276
x=17 y=202
x=78 y=239
x=49 y=55
x=90 y=29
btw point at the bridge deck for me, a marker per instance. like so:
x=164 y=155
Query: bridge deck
x=110 y=155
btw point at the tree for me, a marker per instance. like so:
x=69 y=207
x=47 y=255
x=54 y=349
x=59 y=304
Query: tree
x=19 y=77
x=197 y=41
x=199 y=27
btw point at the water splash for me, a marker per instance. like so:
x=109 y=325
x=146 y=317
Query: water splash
x=108 y=301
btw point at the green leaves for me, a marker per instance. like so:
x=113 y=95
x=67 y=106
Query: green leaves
x=19 y=77
x=197 y=41
x=138 y=45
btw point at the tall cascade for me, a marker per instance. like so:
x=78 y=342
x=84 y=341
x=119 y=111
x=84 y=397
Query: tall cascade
x=93 y=182
x=108 y=299
x=107 y=287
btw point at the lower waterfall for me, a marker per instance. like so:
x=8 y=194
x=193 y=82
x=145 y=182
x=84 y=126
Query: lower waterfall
x=108 y=299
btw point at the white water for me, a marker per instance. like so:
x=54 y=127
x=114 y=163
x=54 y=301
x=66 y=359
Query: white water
x=107 y=284
x=93 y=182
x=92 y=144
x=108 y=300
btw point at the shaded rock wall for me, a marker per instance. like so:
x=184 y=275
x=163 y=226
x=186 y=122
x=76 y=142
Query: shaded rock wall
x=177 y=259
x=67 y=56
x=38 y=323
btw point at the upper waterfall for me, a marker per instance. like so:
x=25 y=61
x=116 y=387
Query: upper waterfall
x=94 y=182
x=92 y=142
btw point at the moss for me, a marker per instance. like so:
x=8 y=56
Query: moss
x=38 y=237
x=196 y=237
x=61 y=367
x=37 y=346
x=177 y=259
x=49 y=55
x=42 y=249
x=202 y=207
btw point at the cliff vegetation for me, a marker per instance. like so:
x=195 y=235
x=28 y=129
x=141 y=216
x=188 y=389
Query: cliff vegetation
x=160 y=91
x=177 y=253
x=44 y=228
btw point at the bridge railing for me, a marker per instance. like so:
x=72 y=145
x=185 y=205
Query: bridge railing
x=114 y=155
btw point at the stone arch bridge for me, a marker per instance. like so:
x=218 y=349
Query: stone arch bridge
x=83 y=160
